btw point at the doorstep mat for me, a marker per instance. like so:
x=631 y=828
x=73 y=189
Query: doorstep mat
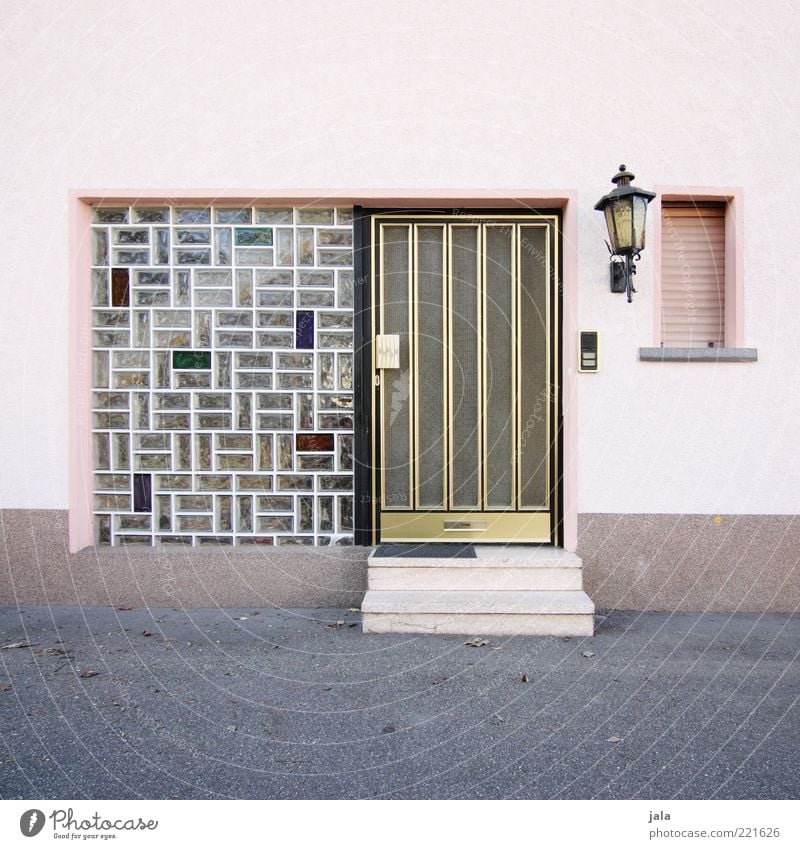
x=429 y=549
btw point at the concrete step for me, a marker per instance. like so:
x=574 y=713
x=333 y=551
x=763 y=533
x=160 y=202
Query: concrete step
x=561 y=613
x=494 y=568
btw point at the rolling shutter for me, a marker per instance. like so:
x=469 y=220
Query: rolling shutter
x=692 y=274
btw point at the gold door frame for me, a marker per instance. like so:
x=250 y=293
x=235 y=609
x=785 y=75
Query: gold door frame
x=531 y=524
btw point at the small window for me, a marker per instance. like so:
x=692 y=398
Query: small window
x=693 y=284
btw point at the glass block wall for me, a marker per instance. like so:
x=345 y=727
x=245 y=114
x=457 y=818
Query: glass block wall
x=222 y=375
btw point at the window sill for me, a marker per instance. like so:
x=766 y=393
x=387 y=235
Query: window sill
x=699 y=355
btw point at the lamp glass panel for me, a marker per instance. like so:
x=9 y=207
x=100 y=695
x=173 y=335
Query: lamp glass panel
x=612 y=226
x=639 y=217
x=623 y=222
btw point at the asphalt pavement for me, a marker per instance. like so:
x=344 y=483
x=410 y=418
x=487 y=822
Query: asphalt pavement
x=100 y=703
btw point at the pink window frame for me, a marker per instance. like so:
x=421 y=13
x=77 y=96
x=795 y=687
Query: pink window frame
x=734 y=255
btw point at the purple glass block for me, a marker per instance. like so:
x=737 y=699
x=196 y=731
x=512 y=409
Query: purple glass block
x=142 y=493
x=304 y=334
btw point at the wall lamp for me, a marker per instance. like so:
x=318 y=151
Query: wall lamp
x=625 y=209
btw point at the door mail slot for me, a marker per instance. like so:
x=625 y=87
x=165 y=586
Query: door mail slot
x=387 y=350
x=465 y=526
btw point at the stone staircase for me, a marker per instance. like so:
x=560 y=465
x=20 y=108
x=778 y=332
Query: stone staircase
x=504 y=590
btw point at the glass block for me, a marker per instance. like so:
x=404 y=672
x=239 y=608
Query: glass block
x=152 y=441
x=162 y=247
x=172 y=318
x=119 y=482
x=255 y=360
x=323 y=540
x=331 y=257
x=344 y=290
x=305 y=411
x=202 y=329
x=131 y=257
x=213 y=421
x=206 y=483
x=183 y=452
x=102 y=527
x=213 y=400
x=174 y=482
x=277 y=298
x=306 y=513
x=195 y=236
x=131 y=236
x=325 y=362
x=255 y=541
x=254 y=256
x=120 y=287
x=152 y=299
x=100 y=288
x=110 y=400
x=162 y=370
x=110 y=318
x=335 y=421
x=207 y=277
x=254 y=482
x=195 y=523
x=233 y=215
x=171 y=421
x=295 y=540
x=192 y=215
x=274 y=318
x=275 y=421
x=111 y=421
x=316 y=279
x=228 y=339
x=336 y=320
x=131 y=379
x=152 y=462
x=100 y=370
x=345 y=512
x=215 y=540
x=339 y=237
x=336 y=402
x=325 y=513
x=172 y=339
x=284 y=237
x=314 y=441
x=244 y=513
x=234 y=441
x=112 y=502
x=111 y=339
x=274 y=339
x=265 y=462
x=244 y=411
x=253 y=380
x=335 y=340
x=295 y=483
x=185 y=256
x=223 y=370
x=344 y=215
x=224 y=513
x=344 y=371
x=275 y=523
x=110 y=215
x=244 y=287
x=151 y=215
x=235 y=462
x=315 y=215
x=141 y=410
x=266 y=277
x=314 y=298
x=195 y=502
x=237 y=318
x=191 y=359
x=100 y=247
x=141 y=328
x=285 y=453
x=122 y=451
x=151 y=278
x=213 y=297
x=304 y=329
x=295 y=361
x=274 y=400
x=174 y=540
x=274 y=215
x=202 y=456
x=305 y=246
x=131 y=539
x=101 y=452
x=290 y=380
x=336 y=482
x=253 y=236
x=275 y=504
x=142 y=493
x=183 y=289
x=345 y=452
x=164 y=513
x=314 y=463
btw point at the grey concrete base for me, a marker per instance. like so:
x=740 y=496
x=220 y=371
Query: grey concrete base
x=539 y=625
x=699 y=355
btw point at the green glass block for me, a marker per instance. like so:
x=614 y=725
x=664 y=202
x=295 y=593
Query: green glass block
x=253 y=236
x=191 y=359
